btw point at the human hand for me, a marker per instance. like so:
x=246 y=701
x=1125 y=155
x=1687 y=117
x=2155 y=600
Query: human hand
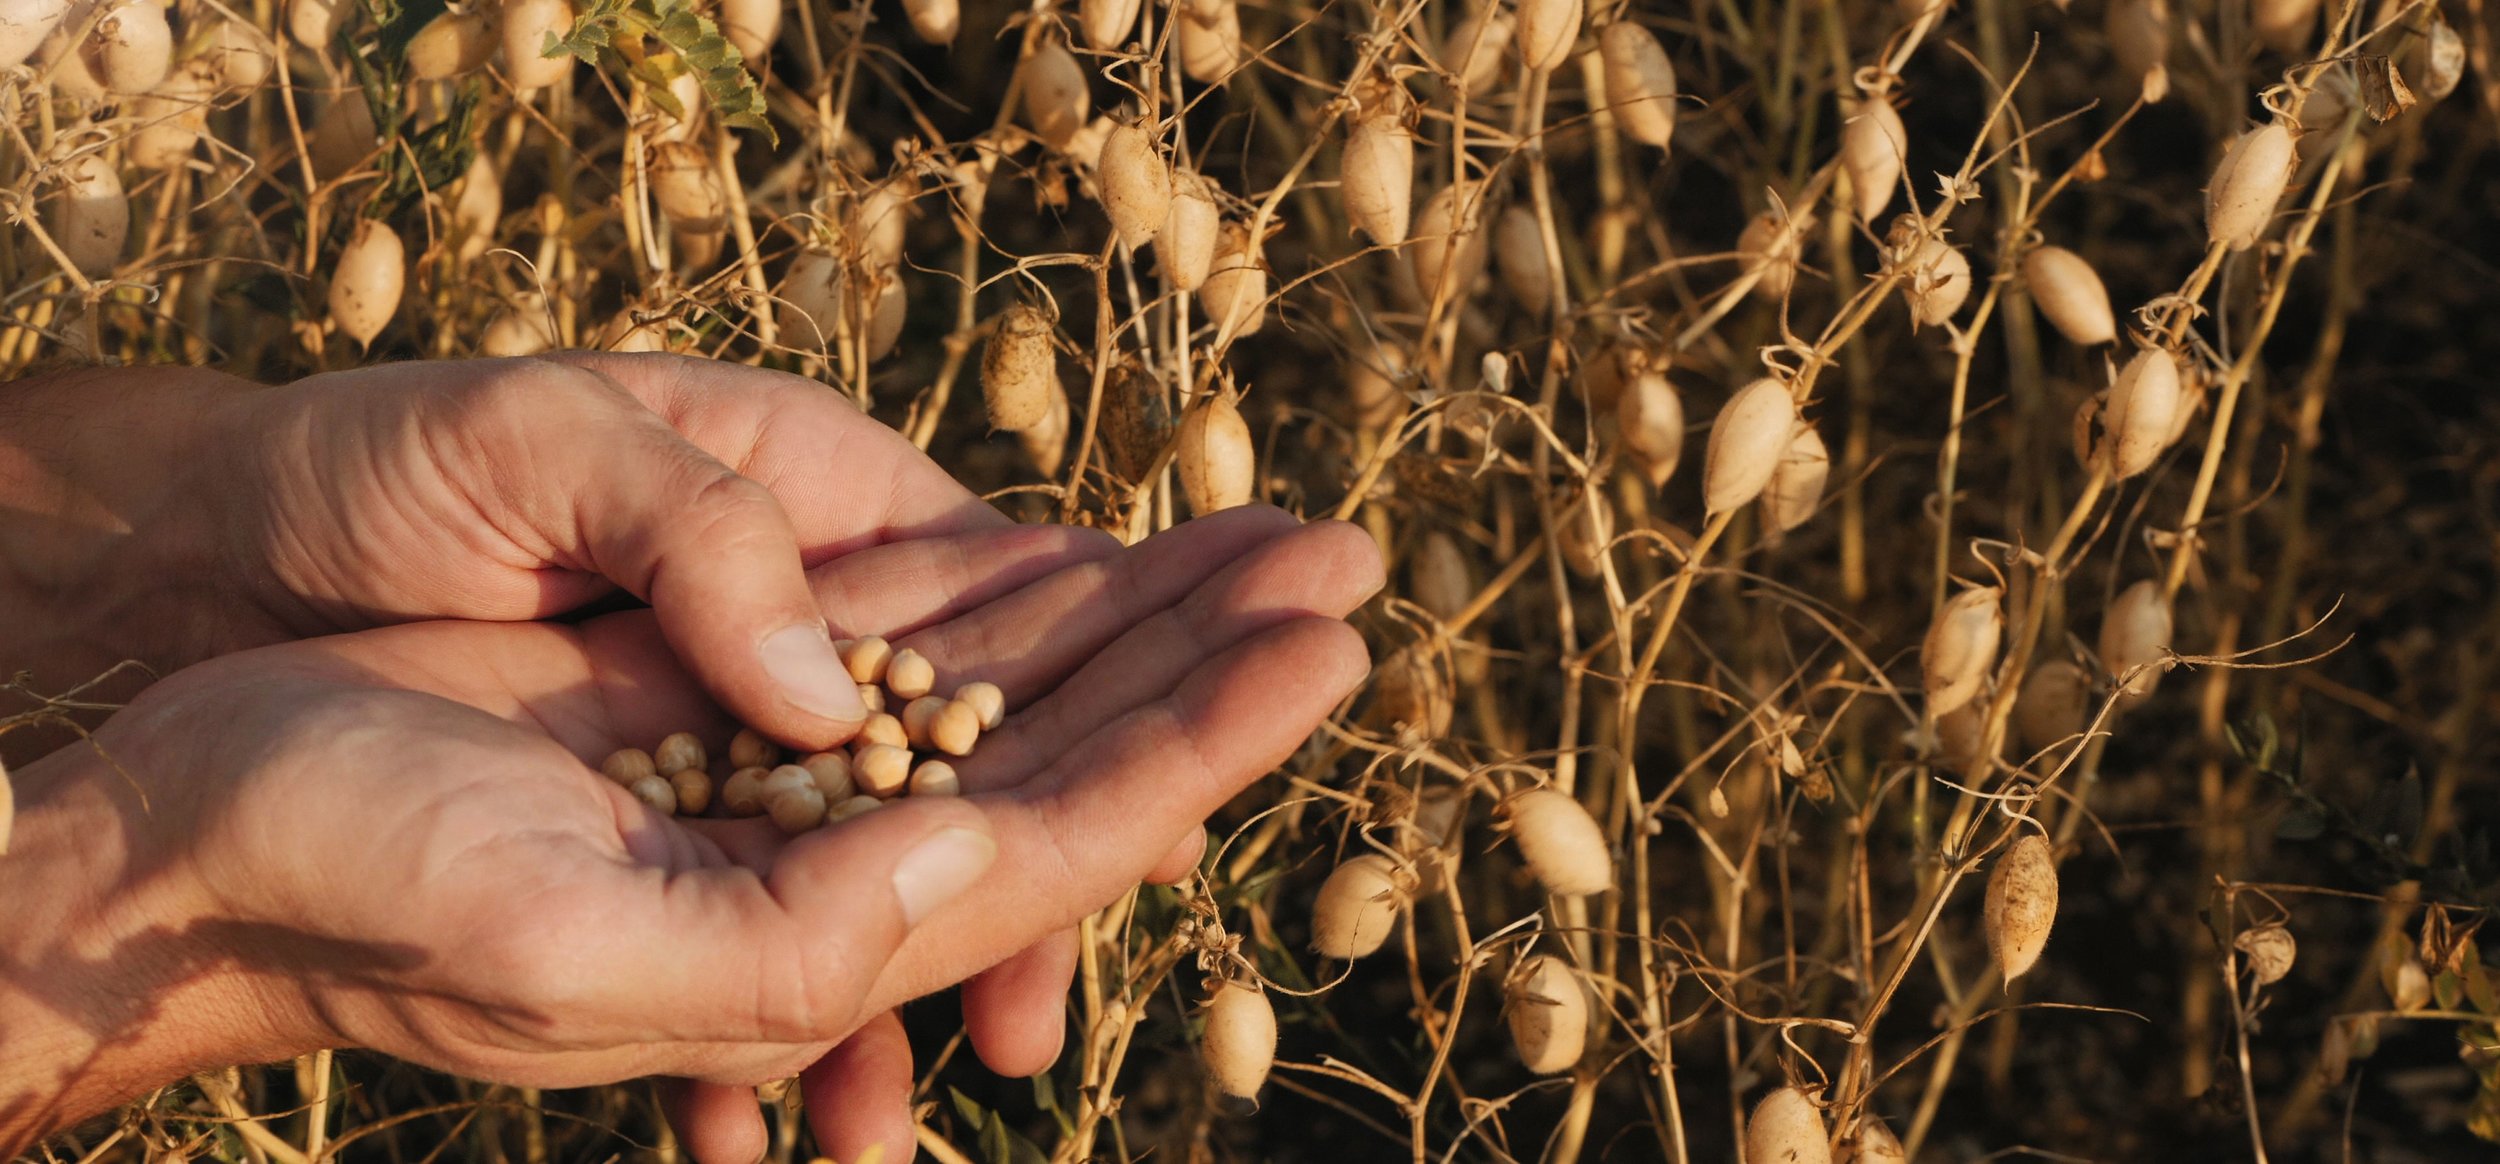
x=394 y=840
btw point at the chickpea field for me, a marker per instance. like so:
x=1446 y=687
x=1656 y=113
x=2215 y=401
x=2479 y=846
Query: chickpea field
x=1942 y=596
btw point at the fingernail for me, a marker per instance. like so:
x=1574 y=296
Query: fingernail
x=939 y=869
x=802 y=660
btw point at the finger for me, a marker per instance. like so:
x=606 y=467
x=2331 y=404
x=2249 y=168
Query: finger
x=781 y=958
x=1017 y=1011
x=1181 y=861
x=847 y=480
x=1326 y=569
x=859 y=1095
x=717 y=1124
x=894 y=589
x=1029 y=641
x=1096 y=820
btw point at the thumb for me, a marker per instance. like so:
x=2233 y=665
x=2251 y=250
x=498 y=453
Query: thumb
x=715 y=555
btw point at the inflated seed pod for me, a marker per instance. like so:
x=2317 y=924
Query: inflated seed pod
x=1210 y=38
x=910 y=675
x=238 y=55
x=344 y=135
x=315 y=24
x=1136 y=183
x=1474 y=52
x=1561 y=842
x=1796 y=487
x=749 y=750
x=1234 y=295
x=630 y=331
x=1217 y=462
x=1937 y=280
x=1640 y=82
x=477 y=207
x=1018 y=366
x=657 y=792
x=2239 y=201
x=1046 y=444
x=796 y=810
x=809 y=315
x=2022 y=905
x=743 y=793
x=883 y=728
x=2134 y=633
x=1440 y=578
x=2139 y=41
x=687 y=187
x=365 y=286
x=988 y=703
x=2137 y=419
x=170 y=120
x=2443 y=59
x=64 y=58
x=1376 y=176
x=1519 y=254
x=518 y=331
x=2055 y=703
x=1877 y=1145
x=527 y=25
x=867 y=657
x=936 y=778
x=2283 y=25
x=887 y=303
x=132 y=47
x=1373 y=382
x=753 y=26
x=934 y=21
x=855 y=806
x=1786 y=1129
x=1107 y=23
x=1240 y=1040
x=1448 y=250
x=1872 y=146
x=2069 y=293
x=1651 y=417
x=24 y=25
x=679 y=750
x=1186 y=249
x=1547 y=1008
x=1961 y=648
x=1747 y=442
x=451 y=45
x=832 y=773
x=90 y=219
x=881 y=770
x=1961 y=734
x=1056 y=99
x=626 y=765
x=877 y=221
x=1770 y=247
x=1358 y=907
x=1409 y=693
x=694 y=791
x=1547 y=30
x=2268 y=951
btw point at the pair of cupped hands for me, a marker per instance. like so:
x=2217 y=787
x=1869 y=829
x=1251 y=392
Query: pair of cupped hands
x=366 y=813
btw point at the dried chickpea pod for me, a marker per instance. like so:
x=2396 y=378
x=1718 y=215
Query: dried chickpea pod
x=2283 y=25
x=831 y=772
x=1234 y=295
x=1562 y=843
x=1107 y=23
x=796 y=810
x=749 y=750
x=2443 y=59
x=626 y=765
x=1136 y=183
x=2021 y=905
x=809 y=315
x=1376 y=176
x=526 y=26
x=867 y=658
x=1475 y=50
x=316 y=24
x=687 y=188
x=884 y=728
x=1358 y=907
x=2134 y=633
x=2268 y=951
x=881 y=770
x=916 y=717
x=954 y=728
x=1873 y=144
x=1240 y=1040
x=1519 y=254
x=1217 y=464
x=1547 y=29
x=1650 y=416
x=1747 y=442
x=934 y=21
x=1548 y=1011
x=1770 y=247
x=1961 y=647
x=1640 y=82
x=2055 y=703
x=753 y=26
x=743 y=793
x=680 y=750
x=518 y=331
x=343 y=135
x=2239 y=201
x=988 y=703
x=1210 y=38
x=1876 y=1144
x=1018 y=369
x=1960 y=735
x=910 y=675
x=2141 y=412
x=2069 y=293
x=1787 y=1129
x=451 y=45
x=936 y=778
x=1185 y=250
x=132 y=47
x=855 y=806
x=693 y=787
x=1796 y=488
x=2139 y=40
x=1057 y=101
x=1935 y=274
x=1447 y=252
x=365 y=286
x=657 y=792
x=1440 y=578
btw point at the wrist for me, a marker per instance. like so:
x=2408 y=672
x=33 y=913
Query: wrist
x=113 y=979
x=112 y=552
